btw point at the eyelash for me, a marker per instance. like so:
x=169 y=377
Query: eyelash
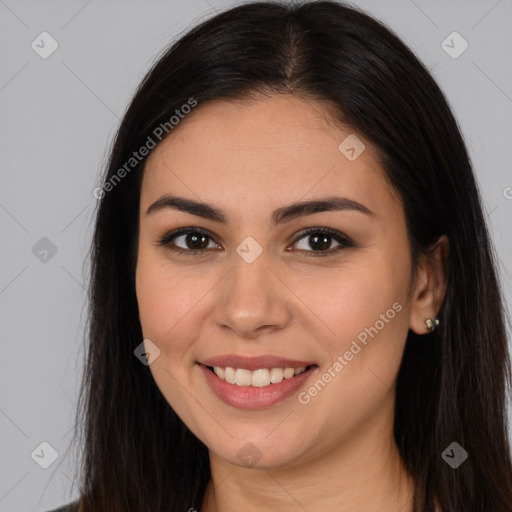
x=343 y=240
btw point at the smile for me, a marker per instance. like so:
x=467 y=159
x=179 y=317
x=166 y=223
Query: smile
x=257 y=378
x=256 y=389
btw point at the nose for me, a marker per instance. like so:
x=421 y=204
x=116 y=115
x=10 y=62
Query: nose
x=253 y=300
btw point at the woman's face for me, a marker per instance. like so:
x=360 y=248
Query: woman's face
x=252 y=285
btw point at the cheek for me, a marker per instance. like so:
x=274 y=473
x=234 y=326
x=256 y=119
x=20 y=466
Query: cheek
x=363 y=309
x=354 y=298
x=367 y=310
x=153 y=297
x=171 y=306
x=162 y=299
x=164 y=312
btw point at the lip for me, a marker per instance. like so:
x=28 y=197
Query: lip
x=255 y=363
x=249 y=397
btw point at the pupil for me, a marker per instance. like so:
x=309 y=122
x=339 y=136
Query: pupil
x=323 y=245
x=193 y=238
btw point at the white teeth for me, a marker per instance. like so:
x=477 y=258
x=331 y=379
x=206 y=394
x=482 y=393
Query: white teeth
x=258 y=378
x=242 y=377
x=288 y=373
x=276 y=375
x=229 y=375
x=219 y=371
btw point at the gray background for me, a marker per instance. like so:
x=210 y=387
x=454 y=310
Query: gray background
x=58 y=117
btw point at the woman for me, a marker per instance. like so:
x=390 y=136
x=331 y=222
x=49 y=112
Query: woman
x=294 y=303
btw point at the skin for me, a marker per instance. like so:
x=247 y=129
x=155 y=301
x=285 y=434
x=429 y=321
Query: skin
x=337 y=452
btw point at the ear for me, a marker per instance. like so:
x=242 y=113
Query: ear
x=430 y=286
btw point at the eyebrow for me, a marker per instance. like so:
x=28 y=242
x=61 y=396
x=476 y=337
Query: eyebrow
x=279 y=216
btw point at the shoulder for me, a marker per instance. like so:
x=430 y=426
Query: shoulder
x=70 y=507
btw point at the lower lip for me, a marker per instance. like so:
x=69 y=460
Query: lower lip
x=250 y=397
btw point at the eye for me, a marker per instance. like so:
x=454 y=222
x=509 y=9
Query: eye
x=320 y=240
x=195 y=241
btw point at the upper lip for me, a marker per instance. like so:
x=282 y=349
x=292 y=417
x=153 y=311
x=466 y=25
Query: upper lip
x=254 y=363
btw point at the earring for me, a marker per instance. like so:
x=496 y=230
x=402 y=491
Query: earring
x=432 y=324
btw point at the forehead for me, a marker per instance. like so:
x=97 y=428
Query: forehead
x=264 y=151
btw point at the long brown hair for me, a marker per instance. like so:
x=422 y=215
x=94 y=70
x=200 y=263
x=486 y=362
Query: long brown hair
x=137 y=453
